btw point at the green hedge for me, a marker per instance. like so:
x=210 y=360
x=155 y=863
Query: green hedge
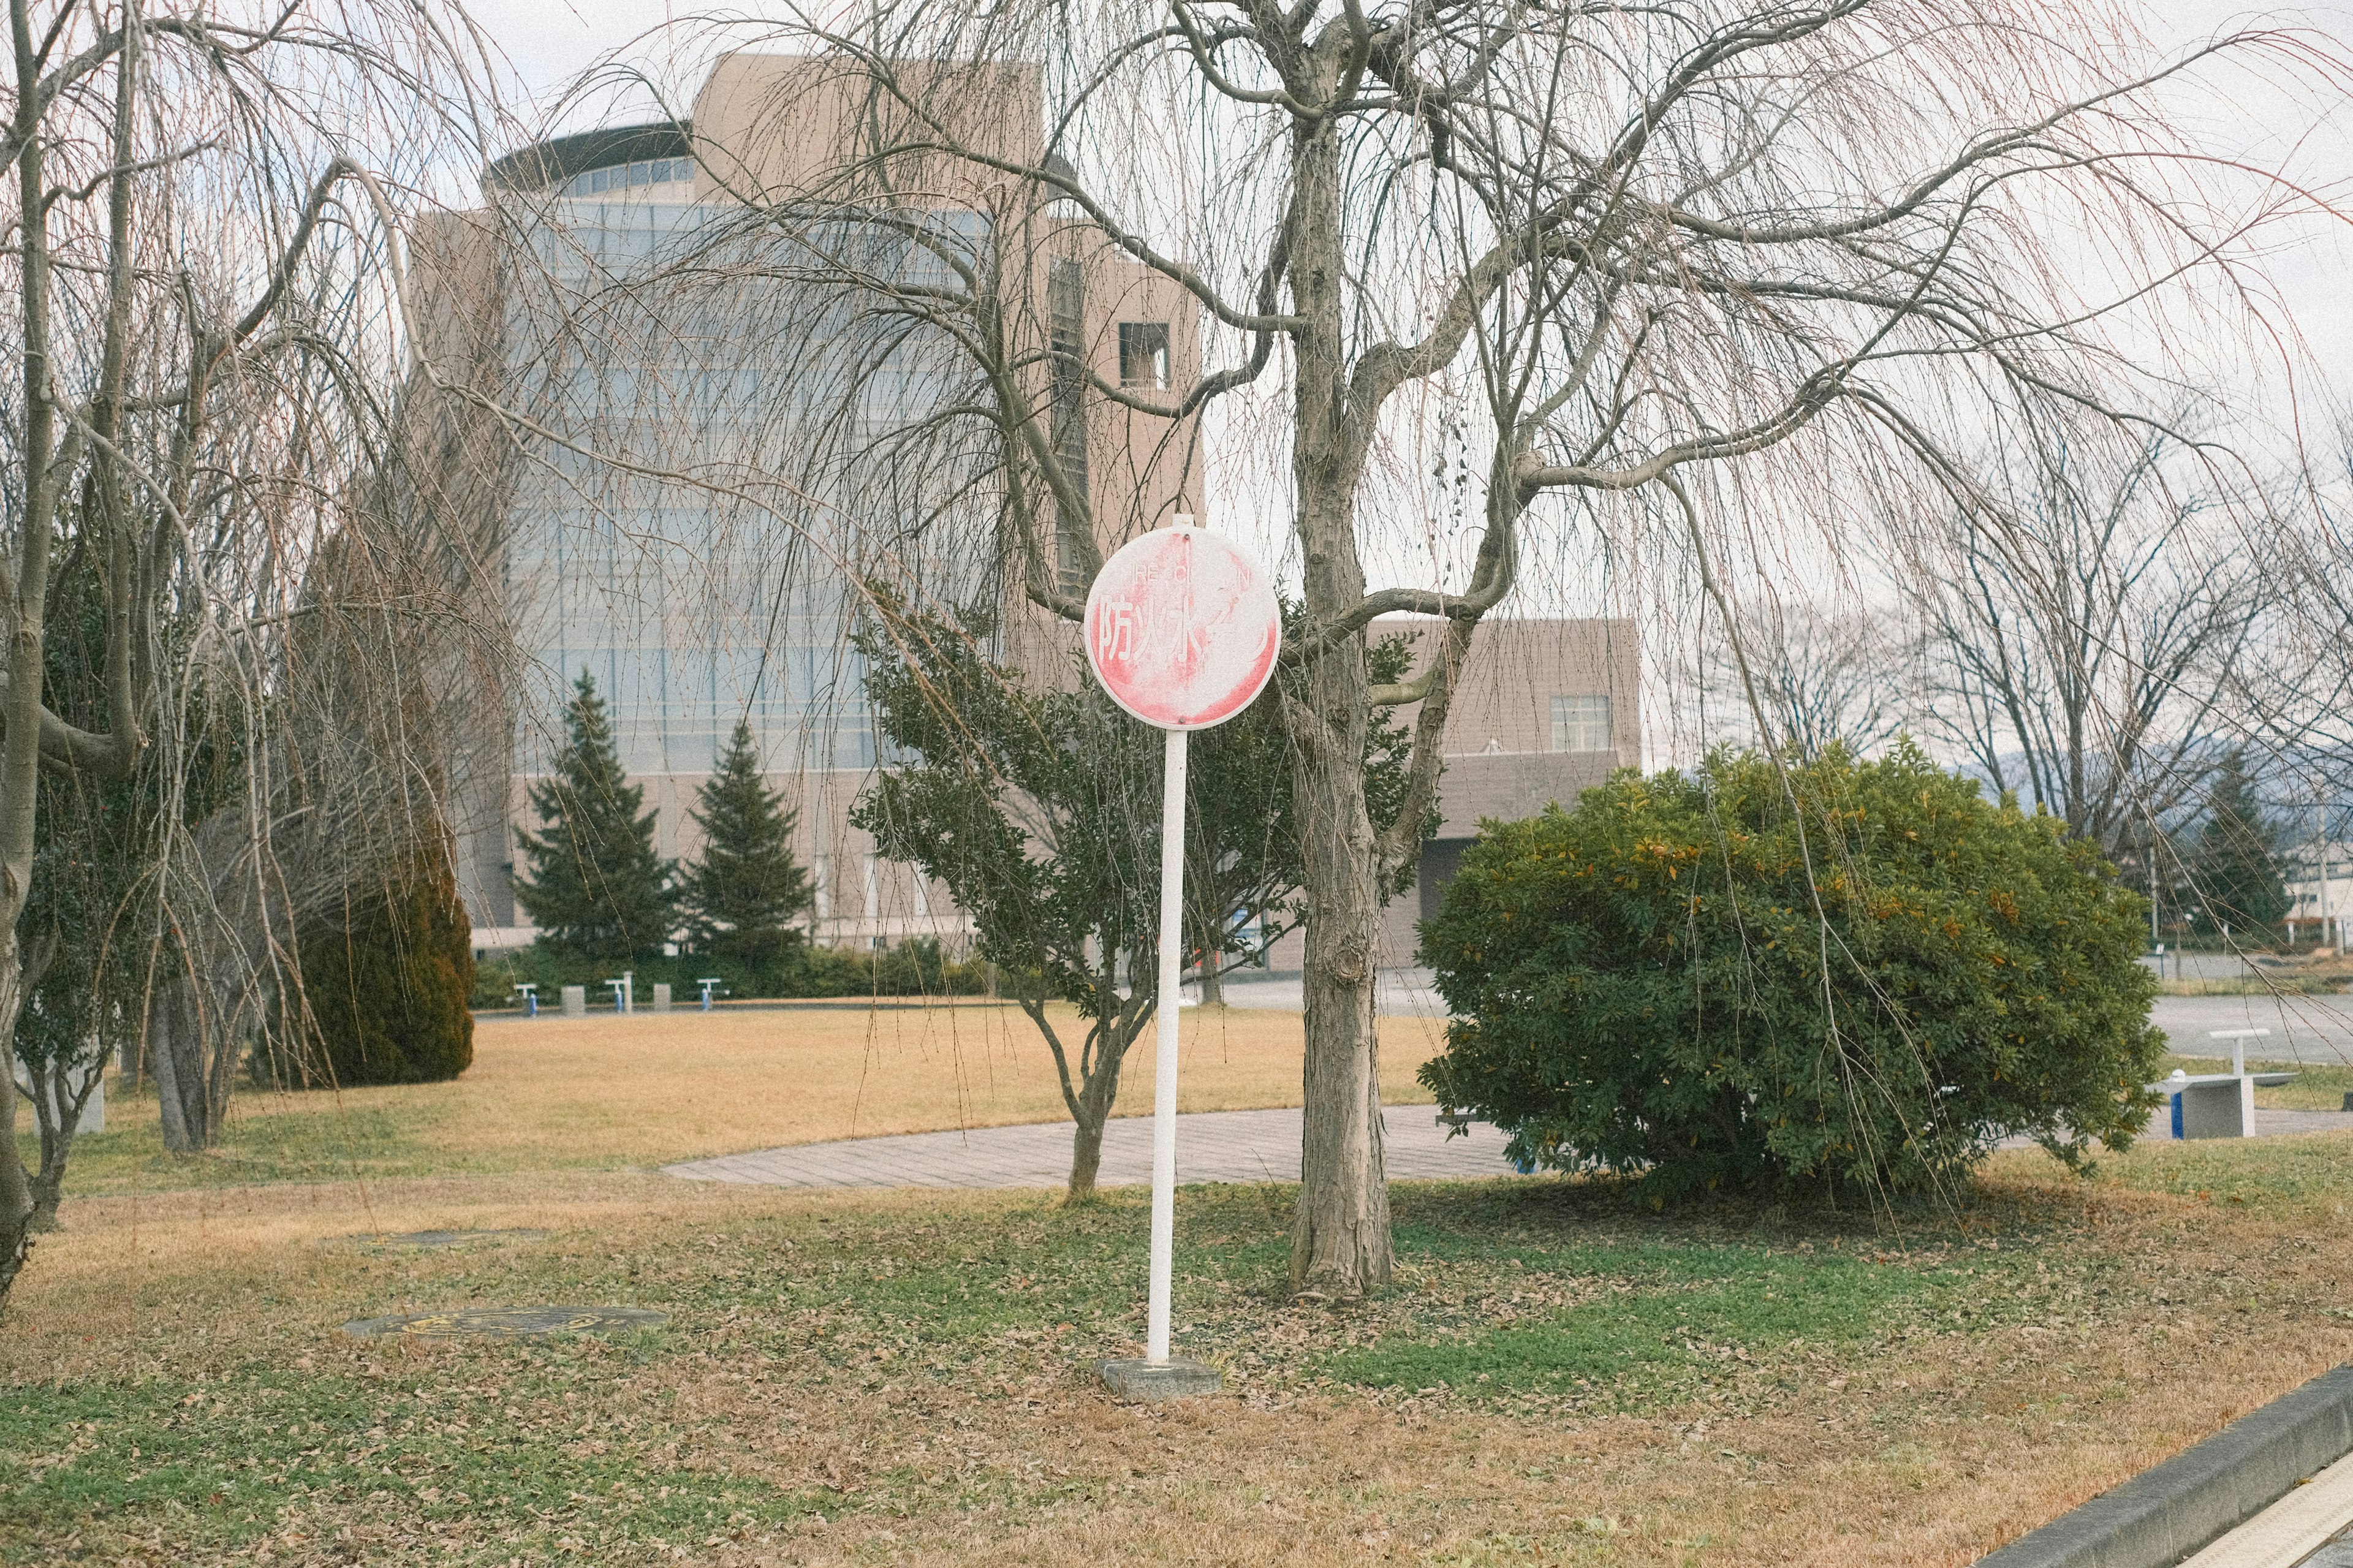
x=1847 y=974
x=916 y=967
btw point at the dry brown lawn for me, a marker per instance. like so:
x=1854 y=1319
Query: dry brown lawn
x=540 y=1090
x=648 y=1089
x=1919 y=1450
x=864 y=1377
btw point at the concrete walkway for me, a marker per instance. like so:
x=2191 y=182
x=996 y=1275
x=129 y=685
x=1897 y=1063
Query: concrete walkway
x=1211 y=1146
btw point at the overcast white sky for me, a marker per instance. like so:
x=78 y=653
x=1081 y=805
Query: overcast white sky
x=552 y=42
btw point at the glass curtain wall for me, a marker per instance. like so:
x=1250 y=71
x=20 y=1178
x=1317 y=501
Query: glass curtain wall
x=715 y=476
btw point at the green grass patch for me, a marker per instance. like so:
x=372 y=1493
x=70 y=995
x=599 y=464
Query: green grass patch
x=1657 y=1314
x=317 y=1141
x=2317 y=1169
x=484 y=1446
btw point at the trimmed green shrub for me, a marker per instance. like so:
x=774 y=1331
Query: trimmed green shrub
x=1845 y=974
x=388 y=982
x=915 y=967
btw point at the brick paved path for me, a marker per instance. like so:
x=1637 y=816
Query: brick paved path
x=1211 y=1146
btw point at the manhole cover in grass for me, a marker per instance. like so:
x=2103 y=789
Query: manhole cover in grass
x=441 y=1238
x=508 y=1323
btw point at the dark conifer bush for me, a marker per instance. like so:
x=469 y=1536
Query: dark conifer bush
x=2235 y=873
x=388 y=982
x=1841 y=973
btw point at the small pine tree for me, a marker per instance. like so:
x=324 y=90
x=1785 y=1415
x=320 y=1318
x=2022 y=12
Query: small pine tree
x=387 y=978
x=594 y=883
x=2237 y=868
x=744 y=891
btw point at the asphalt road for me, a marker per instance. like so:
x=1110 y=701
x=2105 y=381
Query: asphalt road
x=2314 y=1031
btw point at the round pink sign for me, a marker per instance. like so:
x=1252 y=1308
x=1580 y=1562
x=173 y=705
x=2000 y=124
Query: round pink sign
x=1181 y=629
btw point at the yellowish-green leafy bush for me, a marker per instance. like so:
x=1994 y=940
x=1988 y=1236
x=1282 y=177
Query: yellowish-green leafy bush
x=1843 y=973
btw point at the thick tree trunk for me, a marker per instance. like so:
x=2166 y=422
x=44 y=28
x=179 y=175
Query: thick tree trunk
x=49 y=1185
x=1213 y=986
x=1340 y=1235
x=166 y=1058
x=226 y=1023
x=58 y=1106
x=1086 y=1159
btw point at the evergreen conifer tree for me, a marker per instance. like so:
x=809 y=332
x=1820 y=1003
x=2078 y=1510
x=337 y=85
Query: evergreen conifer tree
x=744 y=891
x=2237 y=866
x=595 y=884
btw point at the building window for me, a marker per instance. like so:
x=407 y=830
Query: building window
x=621 y=176
x=1144 y=354
x=1581 y=724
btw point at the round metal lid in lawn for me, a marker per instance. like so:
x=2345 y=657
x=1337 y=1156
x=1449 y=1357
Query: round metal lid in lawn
x=428 y=1238
x=507 y=1322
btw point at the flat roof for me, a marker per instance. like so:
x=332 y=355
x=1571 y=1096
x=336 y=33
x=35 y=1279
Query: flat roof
x=559 y=158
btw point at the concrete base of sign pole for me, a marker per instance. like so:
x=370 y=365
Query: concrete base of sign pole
x=1178 y=1377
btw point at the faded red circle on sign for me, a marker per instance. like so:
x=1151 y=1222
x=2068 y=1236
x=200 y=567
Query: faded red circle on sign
x=1181 y=629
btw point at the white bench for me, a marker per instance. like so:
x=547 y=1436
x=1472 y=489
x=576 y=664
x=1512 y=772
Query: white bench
x=2220 y=1104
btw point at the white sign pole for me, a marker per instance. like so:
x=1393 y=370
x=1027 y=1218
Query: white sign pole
x=1182 y=633
x=1164 y=1069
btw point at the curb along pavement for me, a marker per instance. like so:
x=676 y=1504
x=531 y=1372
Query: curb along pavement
x=2163 y=1515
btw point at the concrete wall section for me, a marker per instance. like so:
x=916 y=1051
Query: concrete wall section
x=1501 y=734
x=1532 y=685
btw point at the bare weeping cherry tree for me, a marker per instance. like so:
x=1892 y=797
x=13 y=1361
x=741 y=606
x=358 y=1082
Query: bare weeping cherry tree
x=202 y=326
x=1822 y=672
x=1695 y=264
x=2087 y=653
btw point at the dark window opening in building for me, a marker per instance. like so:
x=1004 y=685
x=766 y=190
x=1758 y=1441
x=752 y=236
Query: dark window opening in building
x=1581 y=724
x=1066 y=345
x=1144 y=354
x=1441 y=859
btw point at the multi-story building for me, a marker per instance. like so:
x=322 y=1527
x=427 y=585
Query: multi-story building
x=700 y=468
x=711 y=468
